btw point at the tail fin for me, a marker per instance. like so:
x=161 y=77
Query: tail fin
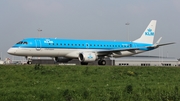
x=148 y=35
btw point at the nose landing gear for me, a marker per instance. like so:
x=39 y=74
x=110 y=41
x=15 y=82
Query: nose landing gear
x=29 y=59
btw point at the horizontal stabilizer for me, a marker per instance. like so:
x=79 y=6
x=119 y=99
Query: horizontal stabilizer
x=165 y=44
x=157 y=45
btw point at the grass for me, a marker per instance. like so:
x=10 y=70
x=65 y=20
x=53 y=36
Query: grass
x=88 y=83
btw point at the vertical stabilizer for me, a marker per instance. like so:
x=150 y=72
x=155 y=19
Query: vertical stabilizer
x=148 y=35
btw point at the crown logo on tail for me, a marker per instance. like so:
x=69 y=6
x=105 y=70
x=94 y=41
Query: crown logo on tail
x=149 y=32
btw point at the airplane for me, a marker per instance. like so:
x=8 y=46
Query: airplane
x=85 y=50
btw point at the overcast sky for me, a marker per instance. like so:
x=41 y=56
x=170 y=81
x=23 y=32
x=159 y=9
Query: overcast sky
x=90 y=19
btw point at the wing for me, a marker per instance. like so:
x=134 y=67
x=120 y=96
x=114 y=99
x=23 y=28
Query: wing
x=111 y=51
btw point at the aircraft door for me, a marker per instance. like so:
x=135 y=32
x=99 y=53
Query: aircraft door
x=38 y=44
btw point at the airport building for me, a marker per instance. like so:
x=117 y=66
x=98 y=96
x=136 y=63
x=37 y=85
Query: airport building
x=1 y=62
x=123 y=61
x=146 y=61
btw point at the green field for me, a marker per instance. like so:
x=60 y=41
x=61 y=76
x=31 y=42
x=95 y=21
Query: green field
x=88 y=83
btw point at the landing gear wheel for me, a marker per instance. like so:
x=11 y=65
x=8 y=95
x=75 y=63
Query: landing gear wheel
x=101 y=62
x=29 y=59
x=84 y=63
x=29 y=62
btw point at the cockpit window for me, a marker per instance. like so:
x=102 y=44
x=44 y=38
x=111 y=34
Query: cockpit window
x=21 y=42
x=25 y=43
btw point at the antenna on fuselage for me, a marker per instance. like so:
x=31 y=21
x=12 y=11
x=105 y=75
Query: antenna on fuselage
x=39 y=30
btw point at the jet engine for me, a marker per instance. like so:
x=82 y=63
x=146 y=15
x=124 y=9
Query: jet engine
x=87 y=57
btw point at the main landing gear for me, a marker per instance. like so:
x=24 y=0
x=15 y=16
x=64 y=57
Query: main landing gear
x=101 y=62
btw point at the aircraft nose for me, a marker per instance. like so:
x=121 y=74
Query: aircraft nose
x=11 y=51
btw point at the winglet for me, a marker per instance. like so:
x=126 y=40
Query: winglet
x=158 y=41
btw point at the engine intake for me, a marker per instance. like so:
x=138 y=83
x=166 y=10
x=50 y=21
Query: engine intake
x=87 y=57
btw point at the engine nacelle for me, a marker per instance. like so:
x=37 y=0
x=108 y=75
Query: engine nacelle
x=87 y=57
x=61 y=59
